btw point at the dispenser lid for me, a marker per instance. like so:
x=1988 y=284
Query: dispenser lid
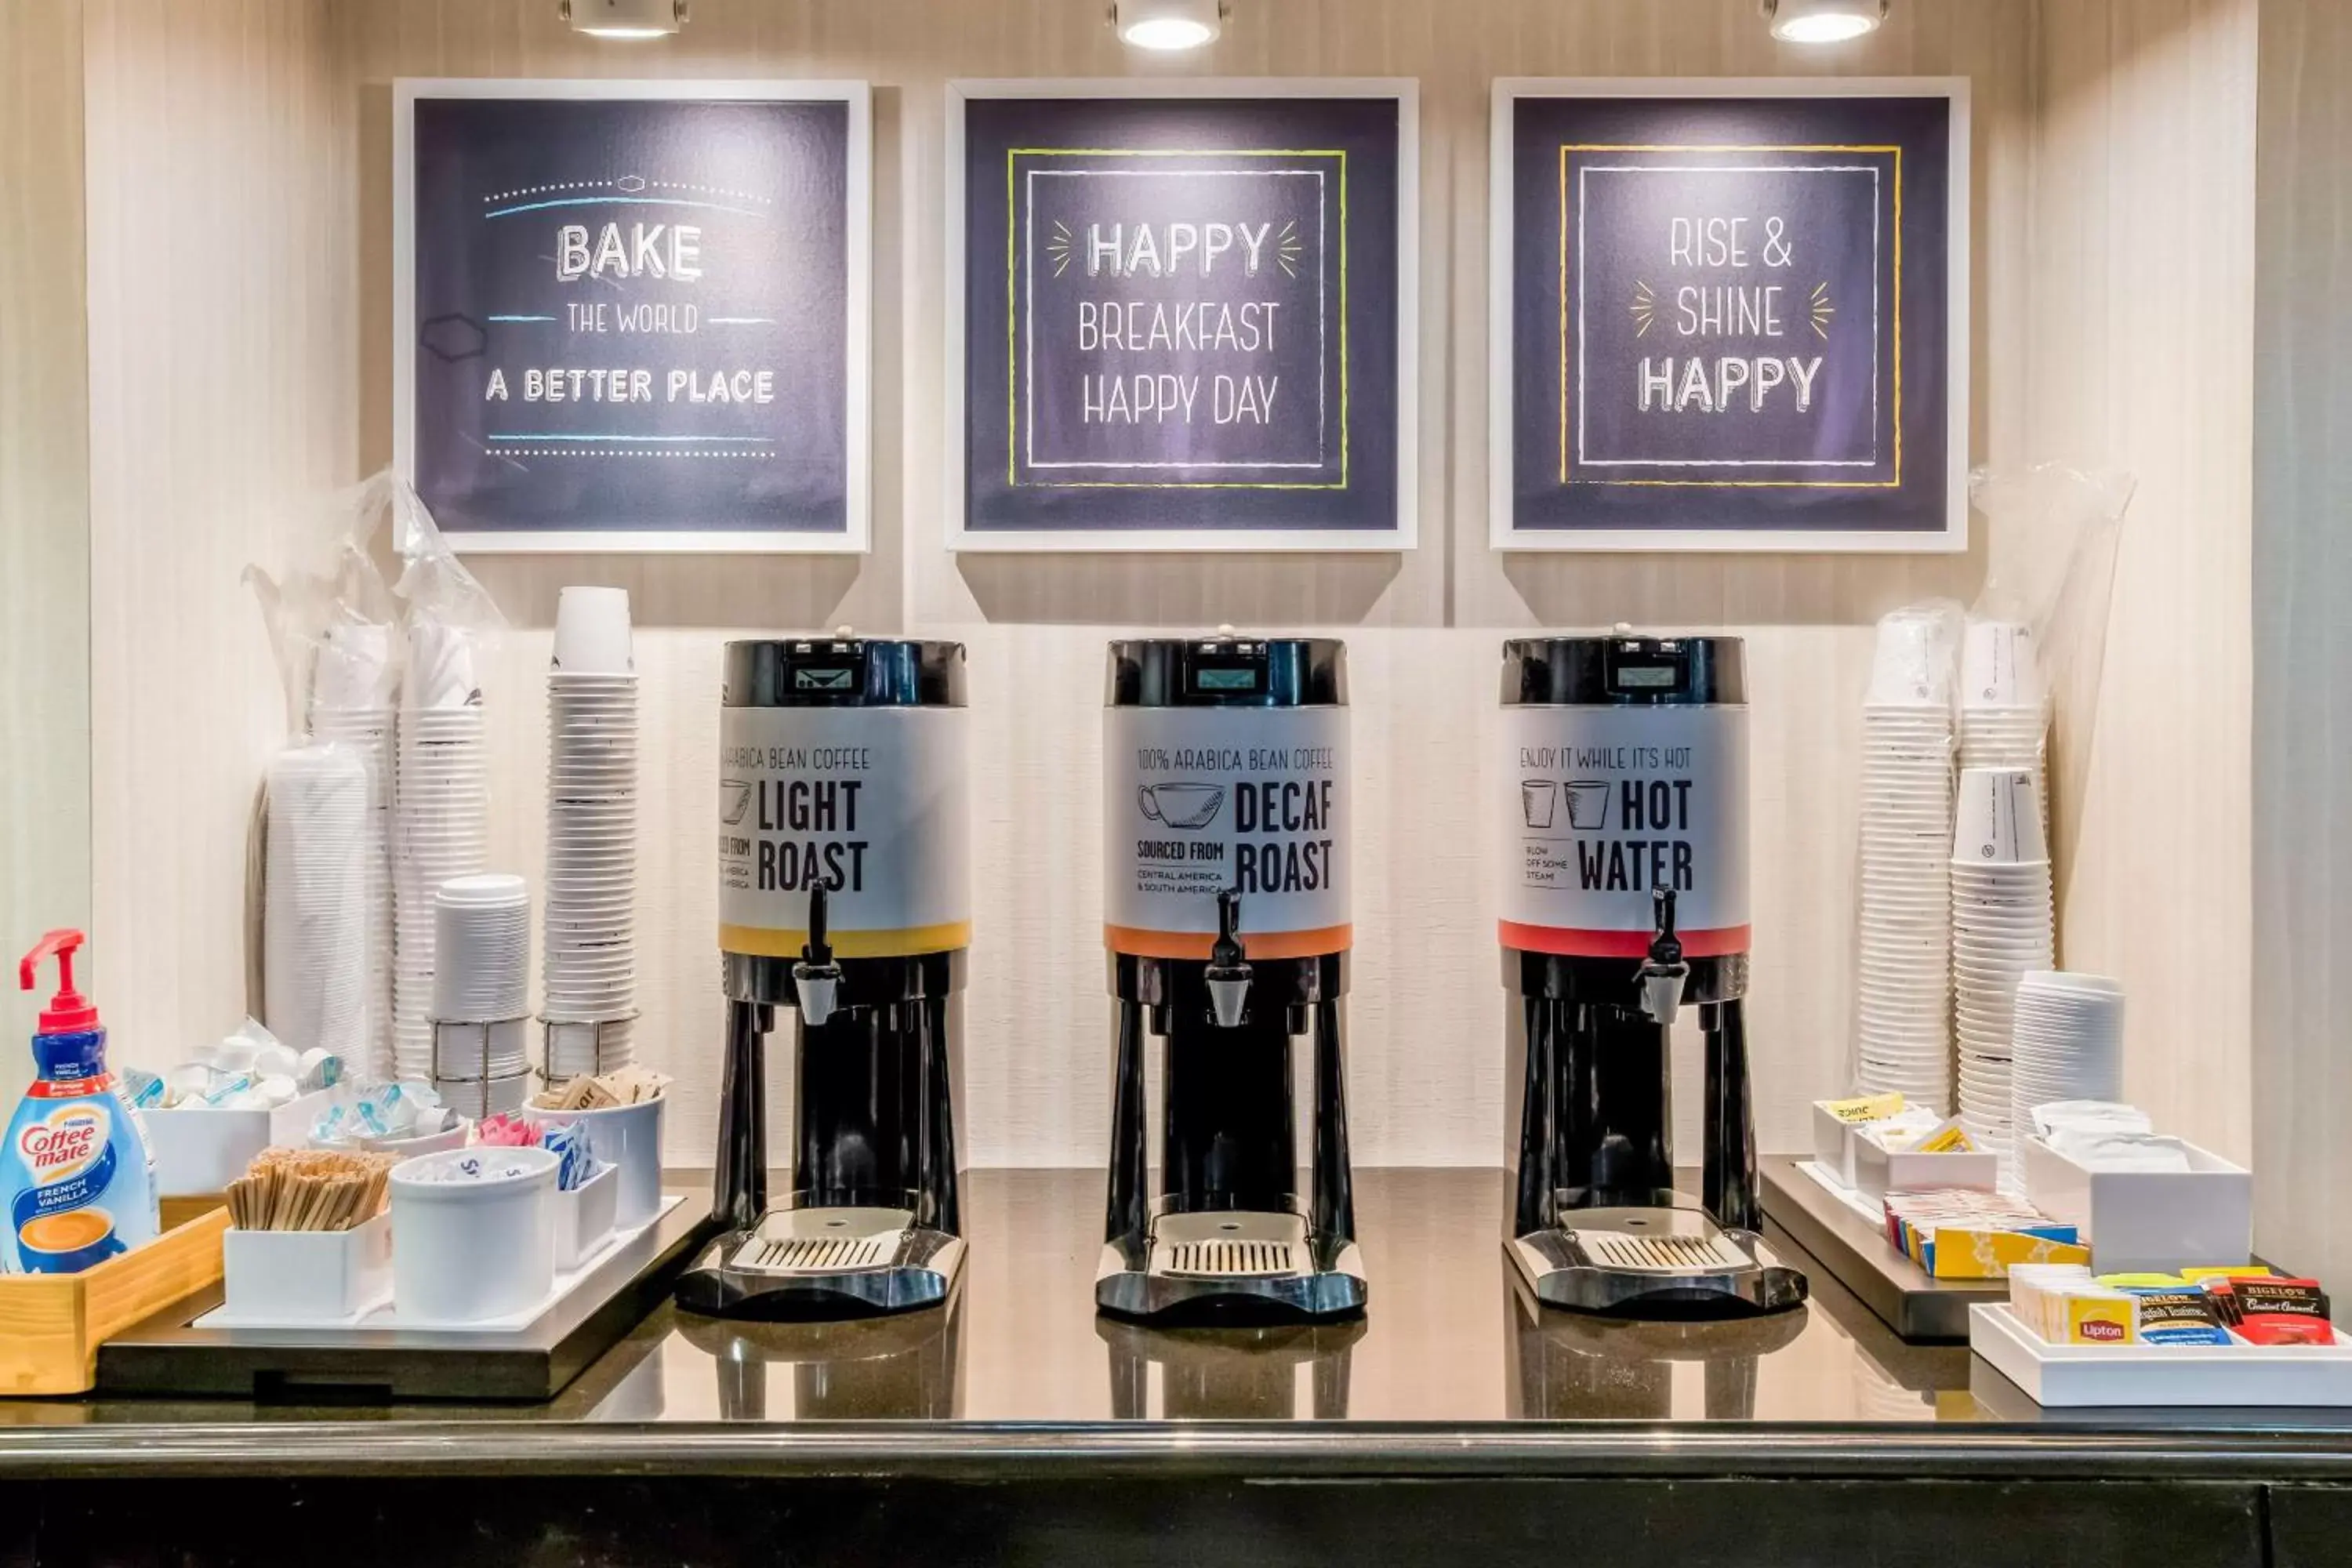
x=1227 y=669
x=841 y=670
x=69 y=1012
x=1624 y=668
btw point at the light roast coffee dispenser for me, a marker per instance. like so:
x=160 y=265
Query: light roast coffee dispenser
x=1225 y=824
x=844 y=899
x=1624 y=904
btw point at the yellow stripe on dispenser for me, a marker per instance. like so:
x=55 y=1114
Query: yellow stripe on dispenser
x=761 y=941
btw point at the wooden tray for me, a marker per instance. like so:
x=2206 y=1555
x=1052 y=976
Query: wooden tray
x=52 y=1324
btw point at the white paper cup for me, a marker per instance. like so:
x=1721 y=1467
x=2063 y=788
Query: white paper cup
x=1999 y=665
x=592 y=631
x=1998 y=818
x=463 y=1250
x=628 y=1136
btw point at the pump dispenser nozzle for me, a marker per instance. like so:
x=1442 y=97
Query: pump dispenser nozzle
x=817 y=978
x=69 y=1012
x=1229 y=972
x=1663 y=973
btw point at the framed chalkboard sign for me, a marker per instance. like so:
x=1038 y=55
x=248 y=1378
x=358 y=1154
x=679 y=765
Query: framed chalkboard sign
x=1181 y=315
x=1730 y=315
x=633 y=316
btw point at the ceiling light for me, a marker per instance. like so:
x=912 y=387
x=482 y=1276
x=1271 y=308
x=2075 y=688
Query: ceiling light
x=1169 y=25
x=623 y=18
x=1823 y=21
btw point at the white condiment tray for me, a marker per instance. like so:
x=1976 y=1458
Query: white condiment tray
x=605 y=1270
x=2237 y=1374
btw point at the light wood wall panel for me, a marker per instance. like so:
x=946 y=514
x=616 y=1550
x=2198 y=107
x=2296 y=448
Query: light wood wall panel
x=1424 y=627
x=2142 y=357
x=2303 y=640
x=44 y=494
x=222 y=343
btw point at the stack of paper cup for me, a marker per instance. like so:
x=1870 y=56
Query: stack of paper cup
x=441 y=823
x=2068 y=1042
x=588 y=954
x=352 y=707
x=1904 y=988
x=314 y=915
x=2002 y=931
x=2004 y=712
x=481 y=992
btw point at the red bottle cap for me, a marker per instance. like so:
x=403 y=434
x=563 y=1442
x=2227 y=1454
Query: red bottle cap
x=69 y=1012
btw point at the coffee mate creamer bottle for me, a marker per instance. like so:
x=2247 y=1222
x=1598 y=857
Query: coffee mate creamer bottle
x=76 y=1179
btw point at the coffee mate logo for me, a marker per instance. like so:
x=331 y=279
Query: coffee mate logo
x=64 y=1143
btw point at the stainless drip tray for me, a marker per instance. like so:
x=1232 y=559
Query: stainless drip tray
x=1647 y=1262
x=1645 y=1252
x=1192 y=1267
x=822 y=1241
x=826 y=1263
x=1229 y=1246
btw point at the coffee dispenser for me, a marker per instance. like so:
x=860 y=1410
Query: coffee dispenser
x=1624 y=905
x=1225 y=824
x=845 y=901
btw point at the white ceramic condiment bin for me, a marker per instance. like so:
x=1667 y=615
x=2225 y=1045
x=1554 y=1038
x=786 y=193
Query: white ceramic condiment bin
x=2147 y=1221
x=1834 y=1143
x=307 y=1275
x=466 y=1247
x=199 y=1150
x=628 y=1136
x=1877 y=1172
x=584 y=1217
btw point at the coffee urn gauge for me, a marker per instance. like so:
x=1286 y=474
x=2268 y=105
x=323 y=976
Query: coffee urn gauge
x=844 y=899
x=1227 y=927
x=1625 y=905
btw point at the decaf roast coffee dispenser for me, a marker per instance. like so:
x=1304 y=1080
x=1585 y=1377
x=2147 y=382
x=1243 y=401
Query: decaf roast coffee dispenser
x=1625 y=800
x=845 y=901
x=1225 y=824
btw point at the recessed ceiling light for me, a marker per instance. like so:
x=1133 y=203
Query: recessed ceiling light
x=1169 y=25
x=1823 y=21
x=623 y=18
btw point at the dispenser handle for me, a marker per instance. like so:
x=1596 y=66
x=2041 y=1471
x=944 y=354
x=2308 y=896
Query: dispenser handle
x=817 y=950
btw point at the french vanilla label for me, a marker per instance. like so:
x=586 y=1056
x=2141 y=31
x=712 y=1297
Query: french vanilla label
x=1603 y=805
x=1204 y=800
x=872 y=804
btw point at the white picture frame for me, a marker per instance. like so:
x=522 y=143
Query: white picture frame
x=856 y=538
x=1405 y=536
x=1503 y=534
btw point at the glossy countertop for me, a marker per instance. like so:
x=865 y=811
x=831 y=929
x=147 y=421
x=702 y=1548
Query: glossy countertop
x=1453 y=1371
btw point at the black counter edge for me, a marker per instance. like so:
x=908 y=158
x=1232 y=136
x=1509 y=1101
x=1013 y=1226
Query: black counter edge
x=1302 y=1451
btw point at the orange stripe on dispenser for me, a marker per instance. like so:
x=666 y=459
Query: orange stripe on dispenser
x=1137 y=943
x=760 y=941
x=1566 y=944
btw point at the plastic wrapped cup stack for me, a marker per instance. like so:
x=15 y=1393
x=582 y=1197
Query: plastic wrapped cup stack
x=315 y=930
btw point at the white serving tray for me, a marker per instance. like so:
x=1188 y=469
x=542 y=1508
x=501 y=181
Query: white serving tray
x=604 y=1271
x=1872 y=1212
x=2078 y=1376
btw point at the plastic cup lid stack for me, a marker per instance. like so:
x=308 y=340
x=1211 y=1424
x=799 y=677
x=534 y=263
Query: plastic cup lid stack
x=441 y=830
x=2067 y=1042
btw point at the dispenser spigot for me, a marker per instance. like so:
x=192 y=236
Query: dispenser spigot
x=1228 y=974
x=817 y=978
x=1664 y=973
